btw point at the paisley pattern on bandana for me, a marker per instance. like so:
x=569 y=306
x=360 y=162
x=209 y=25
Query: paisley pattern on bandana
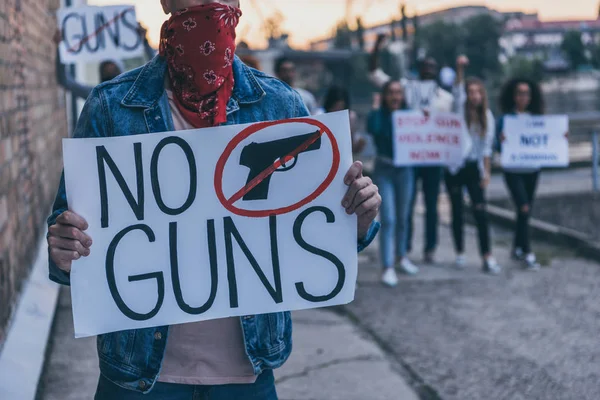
x=202 y=79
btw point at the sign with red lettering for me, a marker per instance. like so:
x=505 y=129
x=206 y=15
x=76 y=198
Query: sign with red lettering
x=212 y=223
x=436 y=139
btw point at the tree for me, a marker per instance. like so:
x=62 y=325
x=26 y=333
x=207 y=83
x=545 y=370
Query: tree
x=482 y=45
x=526 y=68
x=574 y=49
x=343 y=36
x=360 y=33
x=272 y=26
x=441 y=41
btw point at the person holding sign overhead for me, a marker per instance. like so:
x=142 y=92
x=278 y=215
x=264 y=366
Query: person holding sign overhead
x=471 y=101
x=107 y=70
x=397 y=186
x=521 y=97
x=223 y=359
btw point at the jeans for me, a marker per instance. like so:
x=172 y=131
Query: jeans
x=262 y=389
x=470 y=177
x=396 y=187
x=522 y=187
x=431 y=178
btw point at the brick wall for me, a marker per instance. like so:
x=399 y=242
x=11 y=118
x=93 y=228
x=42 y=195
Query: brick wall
x=32 y=123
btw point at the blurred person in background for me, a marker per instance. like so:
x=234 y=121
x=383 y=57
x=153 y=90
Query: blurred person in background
x=108 y=69
x=285 y=69
x=396 y=186
x=423 y=94
x=337 y=98
x=222 y=359
x=471 y=102
x=521 y=96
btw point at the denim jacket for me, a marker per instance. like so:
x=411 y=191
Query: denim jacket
x=136 y=102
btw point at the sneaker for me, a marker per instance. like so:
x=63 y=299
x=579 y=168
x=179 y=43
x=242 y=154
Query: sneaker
x=461 y=261
x=531 y=263
x=518 y=254
x=491 y=266
x=407 y=267
x=389 y=277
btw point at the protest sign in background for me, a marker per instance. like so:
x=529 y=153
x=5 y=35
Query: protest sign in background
x=437 y=139
x=98 y=34
x=535 y=141
x=196 y=225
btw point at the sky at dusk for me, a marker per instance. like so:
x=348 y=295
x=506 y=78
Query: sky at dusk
x=306 y=20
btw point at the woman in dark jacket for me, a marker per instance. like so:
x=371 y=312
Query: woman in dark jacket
x=396 y=186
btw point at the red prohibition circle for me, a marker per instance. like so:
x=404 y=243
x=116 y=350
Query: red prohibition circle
x=283 y=210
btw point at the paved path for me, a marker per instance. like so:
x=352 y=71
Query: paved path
x=332 y=360
x=469 y=336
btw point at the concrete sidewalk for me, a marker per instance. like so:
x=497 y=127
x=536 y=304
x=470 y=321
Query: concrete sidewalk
x=332 y=360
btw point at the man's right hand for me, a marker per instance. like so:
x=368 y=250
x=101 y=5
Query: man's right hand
x=67 y=241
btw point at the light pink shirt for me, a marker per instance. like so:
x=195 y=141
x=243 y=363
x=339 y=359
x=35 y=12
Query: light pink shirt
x=208 y=352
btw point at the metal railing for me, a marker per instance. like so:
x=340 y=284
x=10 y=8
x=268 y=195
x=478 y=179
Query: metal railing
x=588 y=124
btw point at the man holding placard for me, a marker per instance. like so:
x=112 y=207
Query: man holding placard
x=197 y=82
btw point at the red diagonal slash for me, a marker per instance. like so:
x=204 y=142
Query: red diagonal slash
x=278 y=163
x=100 y=29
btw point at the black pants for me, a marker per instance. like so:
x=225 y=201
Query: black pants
x=470 y=177
x=430 y=178
x=522 y=187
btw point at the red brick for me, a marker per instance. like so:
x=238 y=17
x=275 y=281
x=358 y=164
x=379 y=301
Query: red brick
x=30 y=133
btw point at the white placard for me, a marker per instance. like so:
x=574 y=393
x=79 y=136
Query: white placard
x=440 y=138
x=98 y=33
x=177 y=238
x=535 y=141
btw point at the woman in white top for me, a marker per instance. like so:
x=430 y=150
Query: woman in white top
x=470 y=100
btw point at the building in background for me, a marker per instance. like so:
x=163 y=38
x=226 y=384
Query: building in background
x=524 y=35
x=456 y=15
x=535 y=39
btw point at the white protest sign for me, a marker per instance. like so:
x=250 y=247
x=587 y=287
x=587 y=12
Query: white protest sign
x=535 y=141
x=98 y=34
x=195 y=225
x=438 y=139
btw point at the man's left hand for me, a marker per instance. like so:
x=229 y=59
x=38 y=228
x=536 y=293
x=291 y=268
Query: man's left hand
x=362 y=198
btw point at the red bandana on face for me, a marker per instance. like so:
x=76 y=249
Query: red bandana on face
x=199 y=45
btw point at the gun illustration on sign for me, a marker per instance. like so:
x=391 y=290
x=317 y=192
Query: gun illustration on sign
x=260 y=156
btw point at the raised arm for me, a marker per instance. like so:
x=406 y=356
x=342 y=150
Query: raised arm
x=149 y=51
x=64 y=78
x=458 y=91
x=376 y=74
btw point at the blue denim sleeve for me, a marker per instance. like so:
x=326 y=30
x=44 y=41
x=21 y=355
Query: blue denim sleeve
x=371 y=234
x=91 y=123
x=300 y=109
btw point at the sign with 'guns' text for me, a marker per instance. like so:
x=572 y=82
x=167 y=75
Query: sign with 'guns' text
x=211 y=223
x=98 y=34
